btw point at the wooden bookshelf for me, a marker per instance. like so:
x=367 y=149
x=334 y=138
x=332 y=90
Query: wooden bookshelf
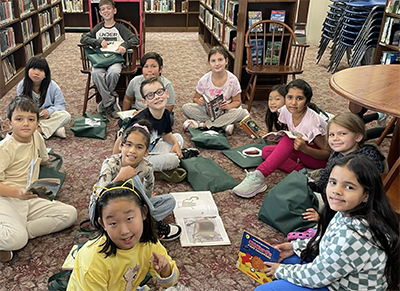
x=209 y=38
x=76 y=18
x=129 y=10
x=44 y=19
x=382 y=46
x=180 y=17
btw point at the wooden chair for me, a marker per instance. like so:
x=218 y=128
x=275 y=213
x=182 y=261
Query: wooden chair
x=128 y=69
x=282 y=56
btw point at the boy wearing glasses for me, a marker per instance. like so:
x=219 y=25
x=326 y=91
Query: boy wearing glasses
x=165 y=147
x=152 y=65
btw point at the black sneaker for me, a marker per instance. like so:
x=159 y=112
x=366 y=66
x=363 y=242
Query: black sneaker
x=168 y=232
x=190 y=153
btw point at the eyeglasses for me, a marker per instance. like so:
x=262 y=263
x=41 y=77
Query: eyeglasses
x=151 y=95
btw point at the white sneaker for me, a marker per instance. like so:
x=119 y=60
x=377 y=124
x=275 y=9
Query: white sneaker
x=101 y=108
x=190 y=123
x=382 y=117
x=251 y=185
x=229 y=129
x=60 y=132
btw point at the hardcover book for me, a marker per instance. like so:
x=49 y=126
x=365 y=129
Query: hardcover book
x=197 y=214
x=213 y=106
x=252 y=255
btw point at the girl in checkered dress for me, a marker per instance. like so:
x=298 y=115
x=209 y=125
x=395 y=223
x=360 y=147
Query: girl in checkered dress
x=357 y=245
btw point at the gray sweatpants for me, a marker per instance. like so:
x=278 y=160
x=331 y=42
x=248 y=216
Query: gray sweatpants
x=198 y=113
x=106 y=79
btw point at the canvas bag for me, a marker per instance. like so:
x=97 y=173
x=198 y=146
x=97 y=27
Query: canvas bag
x=243 y=159
x=93 y=126
x=205 y=175
x=53 y=171
x=284 y=204
x=209 y=139
x=100 y=59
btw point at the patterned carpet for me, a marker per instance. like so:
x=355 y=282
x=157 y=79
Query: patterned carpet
x=202 y=268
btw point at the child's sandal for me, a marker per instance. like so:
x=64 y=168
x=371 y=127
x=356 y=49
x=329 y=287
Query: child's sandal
x=301 y=235
x=174 y=176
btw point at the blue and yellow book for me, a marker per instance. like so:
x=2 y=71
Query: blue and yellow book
x=252 y=255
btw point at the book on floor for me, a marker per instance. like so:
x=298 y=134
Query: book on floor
x=45 y=187
x=253 y=253
x=126 y=113
x=213 y=106
x=197 y=214
x=70 y=259
x=251 y=127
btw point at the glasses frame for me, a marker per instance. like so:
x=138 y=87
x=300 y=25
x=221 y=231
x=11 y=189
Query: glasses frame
x=151 y=95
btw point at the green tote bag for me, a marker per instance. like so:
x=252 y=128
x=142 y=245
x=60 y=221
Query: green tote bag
x=209 y=139
x=100 y=59
x=88 y=125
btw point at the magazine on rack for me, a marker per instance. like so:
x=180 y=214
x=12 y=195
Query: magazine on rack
x=197 y=214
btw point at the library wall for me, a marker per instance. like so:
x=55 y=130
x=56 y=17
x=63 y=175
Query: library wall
x=316 y=16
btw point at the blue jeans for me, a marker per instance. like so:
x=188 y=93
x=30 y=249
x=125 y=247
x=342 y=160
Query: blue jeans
x=283 y=285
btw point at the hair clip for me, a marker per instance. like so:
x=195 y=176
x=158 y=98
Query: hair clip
x=103 y=189
x=141 y=126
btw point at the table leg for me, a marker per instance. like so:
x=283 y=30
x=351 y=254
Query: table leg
x=357 y=109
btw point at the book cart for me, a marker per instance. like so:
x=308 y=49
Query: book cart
x=76 y=15
x=387 y=40
x=225 y=23
x=27 y=28
x=171 y=15
x=129 y=10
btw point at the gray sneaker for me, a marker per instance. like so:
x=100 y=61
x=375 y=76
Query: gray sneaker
x=251 y=185
x=101 y=108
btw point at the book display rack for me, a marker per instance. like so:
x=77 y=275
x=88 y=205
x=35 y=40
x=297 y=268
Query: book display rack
x=225 y=22
x=27 y=28
x=171 y=15
x=129 y=10
x=390 y=33
x=76 y=15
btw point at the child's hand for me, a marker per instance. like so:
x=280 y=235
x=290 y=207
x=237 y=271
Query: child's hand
x=311 y=214
x=161 y=265
x=285 y=250
x=176 y=149
x=104 y=43
x=200 y=101
x=270 y=269
x=225 y=105
x=25 y=195
x=125 y=173
x=121 y=50
x=299 y=144
x=44 y=114
x=154 y=194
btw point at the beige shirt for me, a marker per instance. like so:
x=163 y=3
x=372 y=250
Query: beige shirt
x=16 y=158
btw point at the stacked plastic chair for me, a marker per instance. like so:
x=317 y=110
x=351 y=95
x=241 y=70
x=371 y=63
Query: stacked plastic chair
x=356 y=31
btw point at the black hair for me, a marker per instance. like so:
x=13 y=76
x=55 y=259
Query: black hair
x=40 y=63
x=271 y=118
x=154 y=56
x=146 y=134
x=150 y=81
x=25 y=104
x=381 y=219
x=303 y=86
x=149 y=231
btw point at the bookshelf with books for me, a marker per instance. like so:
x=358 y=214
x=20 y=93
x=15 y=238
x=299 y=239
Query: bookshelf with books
x=389 y=34
x=171 y=15
x=76 y=14
x=27 y=28
x=129 y=10
x=235 y=22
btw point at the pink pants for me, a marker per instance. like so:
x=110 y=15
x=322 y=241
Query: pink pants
x=283 y=156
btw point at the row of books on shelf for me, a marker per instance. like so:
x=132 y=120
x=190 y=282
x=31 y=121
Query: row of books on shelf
x=44 y=19
x=27 y=29
x=6 y=11
x=72 y=5
x=7 y=40
x=29 y=52
x=391 y=31
x=46 y=41
x=57 y=31
x=159 y=5
x=390 y=57
x=25 y=7
x=41 y=3
x=393 y=7
x=55 y=12
x=9 y=69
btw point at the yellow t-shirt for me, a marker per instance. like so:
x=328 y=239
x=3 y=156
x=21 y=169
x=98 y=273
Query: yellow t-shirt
x=122 y=272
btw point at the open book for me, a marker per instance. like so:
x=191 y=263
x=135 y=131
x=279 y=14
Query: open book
x=213 y=106
x=44 y=188
x=111 y=47
x=276 y=136
x=252 y=255
x=126 y=113
x=197 y=214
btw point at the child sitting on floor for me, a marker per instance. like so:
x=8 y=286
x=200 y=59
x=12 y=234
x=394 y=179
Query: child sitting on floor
x=130 y=162
x=276 y=100
x=24 y=215
x=126 y=247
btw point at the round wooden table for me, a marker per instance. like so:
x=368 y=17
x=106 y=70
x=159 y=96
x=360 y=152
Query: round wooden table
x=375 y=87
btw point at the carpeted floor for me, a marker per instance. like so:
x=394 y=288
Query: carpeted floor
x=201 y=268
